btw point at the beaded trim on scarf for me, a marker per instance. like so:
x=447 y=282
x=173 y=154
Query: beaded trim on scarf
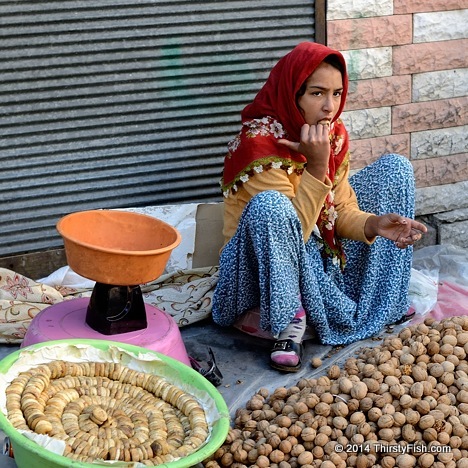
x=260 y=127
x=328 y=218
x=259 y=166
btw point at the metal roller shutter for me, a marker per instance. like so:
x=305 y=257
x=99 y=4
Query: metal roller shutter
x=125 y=103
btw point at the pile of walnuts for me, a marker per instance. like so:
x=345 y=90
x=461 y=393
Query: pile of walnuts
x=401 y=404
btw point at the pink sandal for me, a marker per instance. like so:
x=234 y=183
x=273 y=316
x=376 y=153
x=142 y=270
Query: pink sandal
x=287 y=346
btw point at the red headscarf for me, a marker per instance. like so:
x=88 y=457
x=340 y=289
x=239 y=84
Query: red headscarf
x=274 y=114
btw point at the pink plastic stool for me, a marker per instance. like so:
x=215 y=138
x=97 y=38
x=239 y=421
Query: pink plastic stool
x=67 y=319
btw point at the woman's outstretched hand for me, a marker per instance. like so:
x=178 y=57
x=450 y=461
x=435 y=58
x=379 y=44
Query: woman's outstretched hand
x=315 y=146
x=402 y=231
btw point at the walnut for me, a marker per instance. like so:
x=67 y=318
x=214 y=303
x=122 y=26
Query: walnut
x=334 y=372
x=359 y=390
x=316 y=362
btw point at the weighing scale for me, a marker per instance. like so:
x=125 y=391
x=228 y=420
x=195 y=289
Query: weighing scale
x=119 y=250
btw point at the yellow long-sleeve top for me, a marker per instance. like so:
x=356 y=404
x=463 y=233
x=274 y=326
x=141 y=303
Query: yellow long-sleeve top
x=307 y=195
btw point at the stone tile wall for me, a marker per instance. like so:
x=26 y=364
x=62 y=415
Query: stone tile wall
x=408 y=69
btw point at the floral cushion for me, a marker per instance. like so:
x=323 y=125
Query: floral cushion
x=186 y=295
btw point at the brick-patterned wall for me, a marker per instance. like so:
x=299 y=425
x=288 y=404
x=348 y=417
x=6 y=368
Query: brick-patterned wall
x=408 y=69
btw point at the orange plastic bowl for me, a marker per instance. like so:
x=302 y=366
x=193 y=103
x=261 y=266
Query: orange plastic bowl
x=117 y=247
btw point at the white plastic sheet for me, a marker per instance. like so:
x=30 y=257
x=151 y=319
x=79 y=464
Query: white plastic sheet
x=423 y=291
x=439 y=281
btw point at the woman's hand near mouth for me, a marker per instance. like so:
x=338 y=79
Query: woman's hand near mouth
x=314 y=144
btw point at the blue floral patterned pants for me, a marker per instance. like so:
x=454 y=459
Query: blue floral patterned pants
x=267 y=264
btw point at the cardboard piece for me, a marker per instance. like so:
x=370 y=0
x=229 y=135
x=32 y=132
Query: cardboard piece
x=209 y=237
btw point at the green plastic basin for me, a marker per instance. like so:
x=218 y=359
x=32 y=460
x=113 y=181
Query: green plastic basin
x=28 y=453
